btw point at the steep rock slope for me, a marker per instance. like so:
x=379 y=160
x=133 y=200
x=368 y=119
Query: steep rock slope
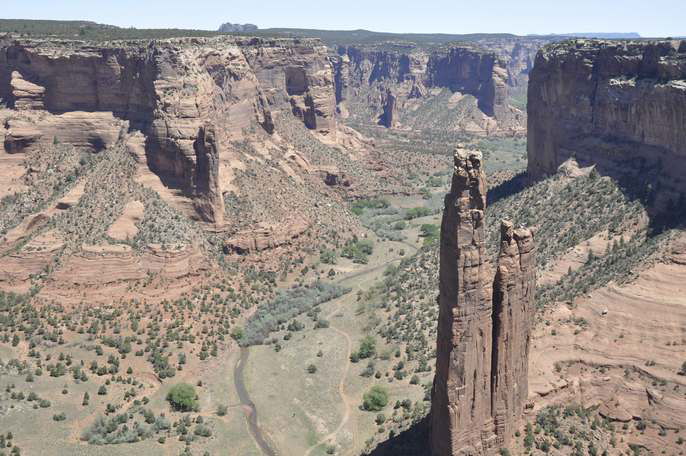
x=618 y=105
x=189 y=97
x=192 y=129
x=488 y=72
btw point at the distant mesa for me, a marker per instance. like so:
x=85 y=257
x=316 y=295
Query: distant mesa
x=228 y=27
x=599 y=36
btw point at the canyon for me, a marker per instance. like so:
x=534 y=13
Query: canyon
x=617 y=105
x=390 y=80
x=177 y=202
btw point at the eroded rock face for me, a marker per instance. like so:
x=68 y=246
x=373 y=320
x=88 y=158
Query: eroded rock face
x=189 y=97
x=609 y=103
x=299 y=70
x=480 y=385
x=514 y=290
x=488 y=71
x=389 y=117
x=461 y=400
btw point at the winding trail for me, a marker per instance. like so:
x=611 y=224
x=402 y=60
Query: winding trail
x=251 y=416
x=341 y=386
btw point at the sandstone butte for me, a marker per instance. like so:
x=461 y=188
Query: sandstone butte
x=481 y=381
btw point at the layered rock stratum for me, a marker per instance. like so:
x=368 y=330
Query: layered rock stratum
x=189 y=97
x=480 y=386
x=619 y=105
x=489 y=72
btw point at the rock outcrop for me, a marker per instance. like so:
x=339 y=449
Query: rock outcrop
x=298 y=71
x=490 y=72
x=228 y=27
x=265 y=238
x=615 y=104
x=461 y=399
x=482 y=347
x=190 y=98
x=389 y=116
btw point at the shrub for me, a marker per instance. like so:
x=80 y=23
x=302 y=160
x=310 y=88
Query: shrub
x=328 y=257
x=311 y=369
x=202 y=431
x=417 y=212
x=183 y=397
x=375 y=399
x=222 y=410
x=367 y=348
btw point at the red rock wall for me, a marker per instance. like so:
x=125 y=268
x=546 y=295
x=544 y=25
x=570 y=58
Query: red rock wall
x=514 y=291
x=609 y=103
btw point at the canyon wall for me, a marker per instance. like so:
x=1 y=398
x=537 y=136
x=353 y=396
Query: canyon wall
x=490 y=72
x=190 y=97
x=480 y=386
x=617 y=104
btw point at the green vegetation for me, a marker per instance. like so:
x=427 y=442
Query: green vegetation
x=358 y=206
x=183 y=397
x=358 y=250
x=430 y=232
x=85 y=30
x=375 y=399
x=285 y=306
x=327 y=256
x=367 y=349
x=417 y=212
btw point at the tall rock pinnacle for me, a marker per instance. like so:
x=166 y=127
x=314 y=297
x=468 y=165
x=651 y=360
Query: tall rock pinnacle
x=461 y=404
x=482 y=348
x=513 y=308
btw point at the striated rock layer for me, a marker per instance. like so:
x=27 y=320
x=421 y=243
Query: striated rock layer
x=491 y=71
x=480 y=385
x=461 y=407
x=189 y=97
x=614 y=104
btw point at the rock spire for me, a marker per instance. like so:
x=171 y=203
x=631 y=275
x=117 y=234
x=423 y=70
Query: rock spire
x=482 y=349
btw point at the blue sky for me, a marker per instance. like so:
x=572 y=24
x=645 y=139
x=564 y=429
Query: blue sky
x=663 y=18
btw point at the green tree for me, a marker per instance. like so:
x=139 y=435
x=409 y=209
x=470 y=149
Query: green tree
x=367 y=348
x=183 y=397
x=375 y=399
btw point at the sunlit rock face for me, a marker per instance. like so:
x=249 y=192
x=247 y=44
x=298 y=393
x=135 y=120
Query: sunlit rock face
x=480 y=386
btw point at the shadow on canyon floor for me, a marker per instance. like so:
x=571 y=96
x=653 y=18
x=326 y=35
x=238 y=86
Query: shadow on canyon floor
x=411 y=442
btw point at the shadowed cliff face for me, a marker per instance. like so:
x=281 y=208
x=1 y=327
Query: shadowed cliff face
x=619 y=105
x=190 y=97
x=488 y=71
x=480 y=385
